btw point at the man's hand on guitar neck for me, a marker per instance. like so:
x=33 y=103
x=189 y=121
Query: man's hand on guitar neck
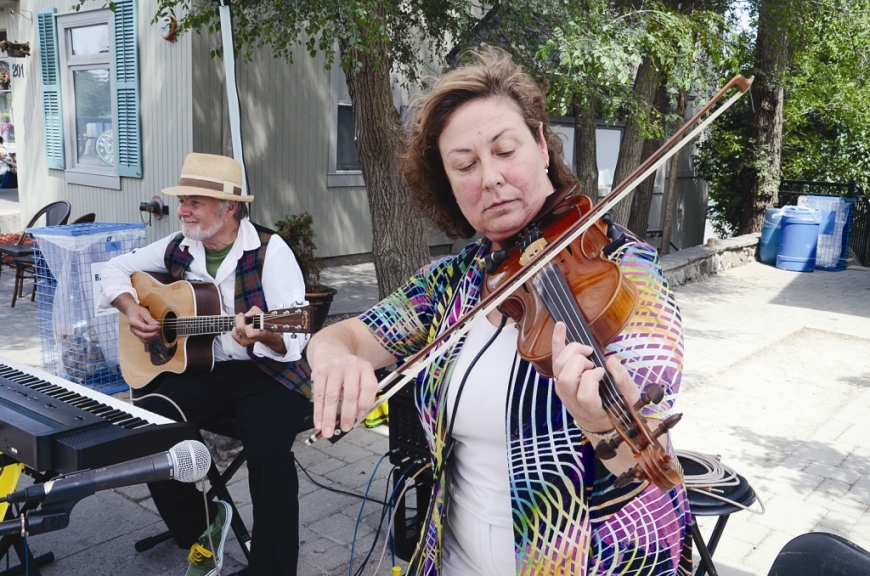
x=142 y=325
x=245 y=334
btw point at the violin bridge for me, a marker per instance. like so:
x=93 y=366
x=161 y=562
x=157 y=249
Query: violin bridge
x=532 y=250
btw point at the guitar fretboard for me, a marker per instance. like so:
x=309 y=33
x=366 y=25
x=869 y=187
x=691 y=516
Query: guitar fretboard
x=199 y=325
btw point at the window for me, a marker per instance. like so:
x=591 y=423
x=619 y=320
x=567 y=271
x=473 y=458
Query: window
x=344 y=166
x=89 y=73
x=346 y=155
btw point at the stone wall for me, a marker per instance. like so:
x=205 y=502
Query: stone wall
x=694 y=264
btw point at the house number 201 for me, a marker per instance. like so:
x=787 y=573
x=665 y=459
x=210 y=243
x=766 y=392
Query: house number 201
x=18 y=70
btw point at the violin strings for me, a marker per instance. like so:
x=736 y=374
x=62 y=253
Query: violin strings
x=574 y=321
x=579 y=331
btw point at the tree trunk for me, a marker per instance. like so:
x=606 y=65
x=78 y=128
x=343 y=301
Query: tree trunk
x=631 y=148
x=671 y=194
x=399 y=244
x=638 y=221
x=766 y=129
x=585 y=155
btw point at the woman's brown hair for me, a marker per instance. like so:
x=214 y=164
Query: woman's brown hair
x=492 y=74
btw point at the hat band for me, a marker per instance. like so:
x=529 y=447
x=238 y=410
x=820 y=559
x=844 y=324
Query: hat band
x=225 y=187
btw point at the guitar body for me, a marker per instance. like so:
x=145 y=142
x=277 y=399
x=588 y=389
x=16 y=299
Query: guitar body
x=167 y=299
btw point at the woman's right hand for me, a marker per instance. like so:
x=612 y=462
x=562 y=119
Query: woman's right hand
x=343 y=359
x=345 y=388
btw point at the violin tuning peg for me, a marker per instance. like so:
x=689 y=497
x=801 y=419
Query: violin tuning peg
x=654 y=392
x=651 y=394
x=626 y=478
x=666 y=425
x=604 y=450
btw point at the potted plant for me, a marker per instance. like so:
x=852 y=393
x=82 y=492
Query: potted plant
x=4 y=80
x=15 y=49
x=298 y=232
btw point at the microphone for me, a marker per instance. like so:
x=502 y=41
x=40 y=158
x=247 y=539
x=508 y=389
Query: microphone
x=187 y=461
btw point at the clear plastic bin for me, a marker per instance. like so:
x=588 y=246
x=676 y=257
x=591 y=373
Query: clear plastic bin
x=79 y=342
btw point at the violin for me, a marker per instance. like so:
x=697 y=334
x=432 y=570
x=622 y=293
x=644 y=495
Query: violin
x=607 y=319
x=587 y=291
x=607 y=299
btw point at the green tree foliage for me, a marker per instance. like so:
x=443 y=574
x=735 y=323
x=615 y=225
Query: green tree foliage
x=826 y=130
x=827 y=116
x=601 y=46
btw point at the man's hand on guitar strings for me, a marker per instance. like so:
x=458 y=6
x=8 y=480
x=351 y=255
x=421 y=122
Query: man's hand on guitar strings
x=142 y=324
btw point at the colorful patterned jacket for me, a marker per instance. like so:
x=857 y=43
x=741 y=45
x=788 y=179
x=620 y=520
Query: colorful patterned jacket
x=569 y=518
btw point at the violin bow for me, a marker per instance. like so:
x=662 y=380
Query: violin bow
x=422 y=359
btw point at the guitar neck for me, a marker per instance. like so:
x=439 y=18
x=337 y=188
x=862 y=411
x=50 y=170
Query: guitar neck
x=202 y=325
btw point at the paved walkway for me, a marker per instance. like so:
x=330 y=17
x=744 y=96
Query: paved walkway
x=776 y=381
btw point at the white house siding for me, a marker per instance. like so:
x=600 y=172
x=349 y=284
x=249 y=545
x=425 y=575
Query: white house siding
x=285 y=127
x=166 y=127
x=286 y=119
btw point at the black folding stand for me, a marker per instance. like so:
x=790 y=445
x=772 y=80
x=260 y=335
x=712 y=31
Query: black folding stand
x=703 y=505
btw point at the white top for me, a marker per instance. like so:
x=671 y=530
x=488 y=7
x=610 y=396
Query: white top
x=283 y=285
x=478 y=478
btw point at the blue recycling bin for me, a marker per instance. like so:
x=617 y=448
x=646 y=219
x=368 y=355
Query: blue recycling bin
x=799 y=238
x=768 y=245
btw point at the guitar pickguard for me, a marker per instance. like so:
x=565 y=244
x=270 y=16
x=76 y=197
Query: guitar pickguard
x=159 y=352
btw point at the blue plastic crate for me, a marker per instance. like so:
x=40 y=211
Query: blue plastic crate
x=79 y=342
x=86 y=228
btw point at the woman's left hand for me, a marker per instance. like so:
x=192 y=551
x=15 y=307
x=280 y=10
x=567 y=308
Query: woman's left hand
x=577 y=381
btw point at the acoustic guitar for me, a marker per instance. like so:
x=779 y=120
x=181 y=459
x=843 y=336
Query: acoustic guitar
x=190 y=317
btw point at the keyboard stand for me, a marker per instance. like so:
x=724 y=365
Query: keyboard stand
x=11 y=538
x=25 y=556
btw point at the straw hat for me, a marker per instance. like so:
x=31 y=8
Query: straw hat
x=210 y=175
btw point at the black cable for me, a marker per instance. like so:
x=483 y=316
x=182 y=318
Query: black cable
x=336 y=490
x=384 y=514
x=448 y=439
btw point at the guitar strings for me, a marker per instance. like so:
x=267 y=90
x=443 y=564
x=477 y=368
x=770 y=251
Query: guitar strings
x=216 y=318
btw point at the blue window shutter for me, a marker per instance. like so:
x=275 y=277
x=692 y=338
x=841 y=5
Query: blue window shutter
x=128 y=135
x=49 y=65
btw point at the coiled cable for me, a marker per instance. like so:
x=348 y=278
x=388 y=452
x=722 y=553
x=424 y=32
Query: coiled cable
x=715 y=477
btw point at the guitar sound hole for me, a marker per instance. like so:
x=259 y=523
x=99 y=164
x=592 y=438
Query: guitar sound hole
x=169 y=331
x=162 y=349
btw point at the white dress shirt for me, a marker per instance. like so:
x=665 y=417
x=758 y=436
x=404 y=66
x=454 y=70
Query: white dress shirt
x=283 y=285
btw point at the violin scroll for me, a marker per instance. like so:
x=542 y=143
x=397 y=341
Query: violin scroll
x=653 y=462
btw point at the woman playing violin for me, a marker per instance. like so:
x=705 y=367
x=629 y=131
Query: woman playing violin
x=518 y=487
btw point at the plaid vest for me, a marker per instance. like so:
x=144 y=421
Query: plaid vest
x=249 y=293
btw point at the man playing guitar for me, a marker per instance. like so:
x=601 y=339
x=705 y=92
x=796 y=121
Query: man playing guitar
x=259 y=377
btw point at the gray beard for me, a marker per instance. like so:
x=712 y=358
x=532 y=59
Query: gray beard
x=197 y=233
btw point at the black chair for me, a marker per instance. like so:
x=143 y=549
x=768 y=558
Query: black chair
x=820 y=554
x=56 y=214
x=219 y=480
x=85 y=218
x=703 y=505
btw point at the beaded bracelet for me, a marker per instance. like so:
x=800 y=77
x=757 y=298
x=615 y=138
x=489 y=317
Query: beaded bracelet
x=608 y=435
